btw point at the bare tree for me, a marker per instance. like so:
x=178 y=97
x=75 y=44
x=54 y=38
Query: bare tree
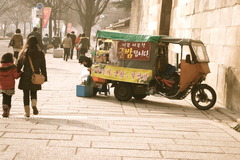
x=120 y=9
x=125 y=4
x=4 y=6
x=89 y=12
x=18 y=13
x=57 y=8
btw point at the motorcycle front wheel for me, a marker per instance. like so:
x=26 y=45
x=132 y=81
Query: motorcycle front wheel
x=203 y=97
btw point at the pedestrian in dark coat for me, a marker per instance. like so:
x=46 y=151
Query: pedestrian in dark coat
x=85 y=45
x=33 y=51
x=73 y=37
x=45 y=42
x=38 y=36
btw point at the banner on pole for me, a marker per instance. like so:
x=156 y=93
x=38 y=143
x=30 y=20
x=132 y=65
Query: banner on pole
x=35 y=18
x=69 y=27
x=46 y=15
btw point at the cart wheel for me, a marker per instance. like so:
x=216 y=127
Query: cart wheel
x=203 y=97
x=139 y=96
x=123 y=92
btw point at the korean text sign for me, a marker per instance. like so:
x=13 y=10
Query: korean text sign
x=134 y=50
x=121 y=73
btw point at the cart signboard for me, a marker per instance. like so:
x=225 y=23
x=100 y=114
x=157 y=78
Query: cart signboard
x=142 y=76
x=134 y=50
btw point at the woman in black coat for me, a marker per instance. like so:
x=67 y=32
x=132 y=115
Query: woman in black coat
x=32 y=50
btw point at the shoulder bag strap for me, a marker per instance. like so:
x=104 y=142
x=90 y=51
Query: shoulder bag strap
x=30 y=61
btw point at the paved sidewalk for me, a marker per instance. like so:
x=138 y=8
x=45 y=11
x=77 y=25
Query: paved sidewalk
x=102 y=128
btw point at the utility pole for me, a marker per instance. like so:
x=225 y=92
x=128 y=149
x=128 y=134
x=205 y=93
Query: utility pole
x=39 y=7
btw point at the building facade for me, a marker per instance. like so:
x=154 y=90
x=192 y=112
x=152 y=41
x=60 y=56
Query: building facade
x=215 y=22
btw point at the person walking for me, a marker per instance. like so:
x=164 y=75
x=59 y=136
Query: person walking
x=16 y=42
x=56 y=41
x=73 y=37
x=85 y=44
x=38 y=36
x=31 y=50
x=67 y=45
x=77 y=44
x=8 y=74
x=45 y=42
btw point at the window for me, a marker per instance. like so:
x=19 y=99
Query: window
x=200 y=52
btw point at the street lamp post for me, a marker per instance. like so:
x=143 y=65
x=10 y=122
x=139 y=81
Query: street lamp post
x=39 y=7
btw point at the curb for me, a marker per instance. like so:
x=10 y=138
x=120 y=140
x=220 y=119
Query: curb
x=232 y=114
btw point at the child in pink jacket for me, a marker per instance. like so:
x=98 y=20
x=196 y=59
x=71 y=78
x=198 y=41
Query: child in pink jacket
x=8 y=74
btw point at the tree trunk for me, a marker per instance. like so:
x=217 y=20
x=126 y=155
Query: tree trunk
x=24 y=29
x=50 y=28
x=54 y=23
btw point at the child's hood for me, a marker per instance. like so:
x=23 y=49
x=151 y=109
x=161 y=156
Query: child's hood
x=7 y=66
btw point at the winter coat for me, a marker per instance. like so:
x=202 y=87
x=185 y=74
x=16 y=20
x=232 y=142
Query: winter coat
x=73 y=37
x=38 y=36
x=8 y=74
x=85 y=42
x=39 y=64
x=77 y=41
x=17 y=42
x=67 y=42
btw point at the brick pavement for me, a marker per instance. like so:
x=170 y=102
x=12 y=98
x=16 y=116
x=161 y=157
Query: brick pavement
x=102 y=128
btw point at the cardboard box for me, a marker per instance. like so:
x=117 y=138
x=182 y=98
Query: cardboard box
x=84 y=91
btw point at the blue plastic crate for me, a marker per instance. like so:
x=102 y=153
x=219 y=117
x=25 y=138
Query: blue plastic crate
x=84 y=91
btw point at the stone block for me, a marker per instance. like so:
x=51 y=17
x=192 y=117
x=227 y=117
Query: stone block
x=62 y=143
x=205 y=35
x=37 y=136
x=58 y=53
x=199 y=6
x=220 y=85
x=197 y=20
x=212 y=4
x=233 y=88
x=119 y=145
x=226 y=16
x=196 y=34
x=189 y=8
x=231 y=36
x=236 y=15
x=217 y=36
x=212 y=76
x=226 y=3
x=188 y=22
x=196 y=155
x=213 y=18
x=119 y=152
x=231 y=58
x=238 y=35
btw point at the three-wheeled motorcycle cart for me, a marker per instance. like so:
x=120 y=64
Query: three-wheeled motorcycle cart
x=139 y=65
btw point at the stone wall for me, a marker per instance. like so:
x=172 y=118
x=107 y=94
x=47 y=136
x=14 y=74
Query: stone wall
x=216 y=23
x=145 y=17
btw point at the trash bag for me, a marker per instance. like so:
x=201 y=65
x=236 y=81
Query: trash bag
x=84 y=75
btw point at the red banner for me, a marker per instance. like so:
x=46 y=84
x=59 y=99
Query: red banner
x=134 y=50
x=46 y=15
x=69 y=27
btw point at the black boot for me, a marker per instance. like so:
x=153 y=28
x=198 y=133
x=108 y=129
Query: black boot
x=6 y=110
